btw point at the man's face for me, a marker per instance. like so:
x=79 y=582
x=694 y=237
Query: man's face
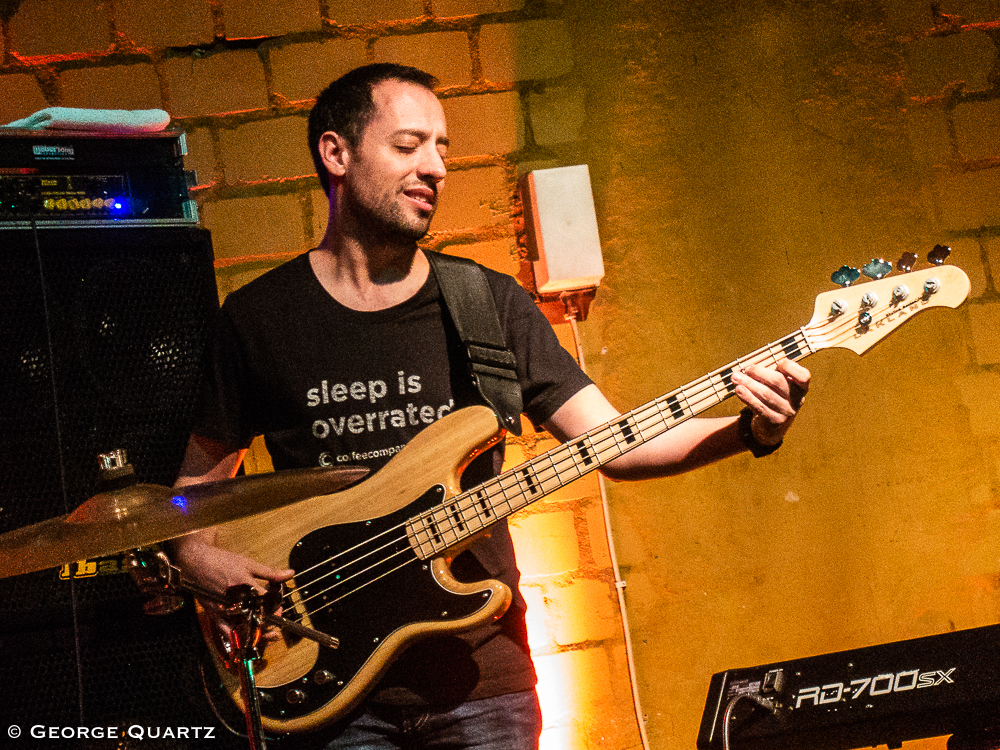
x=396 y=173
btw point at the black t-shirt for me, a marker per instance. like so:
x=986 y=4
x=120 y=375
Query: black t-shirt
x=327 y=385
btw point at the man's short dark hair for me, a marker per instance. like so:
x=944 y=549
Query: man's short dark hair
x=346 y=106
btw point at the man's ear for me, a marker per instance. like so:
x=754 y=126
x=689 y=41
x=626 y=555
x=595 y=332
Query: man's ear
x=335 y=153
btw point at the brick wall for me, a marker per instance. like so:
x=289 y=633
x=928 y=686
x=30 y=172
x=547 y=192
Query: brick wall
x=740 y=152
x=952 y=120
x=238 y=77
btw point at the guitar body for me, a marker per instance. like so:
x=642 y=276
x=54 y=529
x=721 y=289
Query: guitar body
x=356 y=541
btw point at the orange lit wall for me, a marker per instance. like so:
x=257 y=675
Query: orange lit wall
x=740 y=152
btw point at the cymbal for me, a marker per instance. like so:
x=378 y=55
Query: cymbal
x=144 y=514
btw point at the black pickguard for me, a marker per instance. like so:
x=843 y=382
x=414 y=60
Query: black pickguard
x=374 y=586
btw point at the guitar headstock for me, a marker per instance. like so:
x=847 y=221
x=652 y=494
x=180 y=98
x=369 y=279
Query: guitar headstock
x=858 y=317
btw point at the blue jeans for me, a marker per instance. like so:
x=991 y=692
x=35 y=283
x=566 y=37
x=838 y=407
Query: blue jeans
x=507 y=722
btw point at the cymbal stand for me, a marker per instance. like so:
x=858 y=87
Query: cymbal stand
x=243 y=608
x=245 y=615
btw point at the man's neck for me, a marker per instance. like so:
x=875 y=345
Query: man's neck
x=368 y=278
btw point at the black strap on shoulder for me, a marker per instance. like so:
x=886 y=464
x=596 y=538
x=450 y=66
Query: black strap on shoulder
x=470 y=303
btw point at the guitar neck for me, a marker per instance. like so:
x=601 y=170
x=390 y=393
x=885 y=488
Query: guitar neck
x=449 y=524
x=853 y=318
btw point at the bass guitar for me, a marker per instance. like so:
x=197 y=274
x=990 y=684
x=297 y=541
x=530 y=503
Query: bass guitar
x=372 y=562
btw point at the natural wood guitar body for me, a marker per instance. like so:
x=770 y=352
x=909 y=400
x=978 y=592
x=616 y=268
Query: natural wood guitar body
x=391 y=602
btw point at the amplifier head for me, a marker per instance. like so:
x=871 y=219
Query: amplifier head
x=60 y=178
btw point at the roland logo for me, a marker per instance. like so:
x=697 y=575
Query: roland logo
x=53 y=152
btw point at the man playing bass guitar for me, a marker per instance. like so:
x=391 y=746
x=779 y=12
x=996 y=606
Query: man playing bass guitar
x=346 y=353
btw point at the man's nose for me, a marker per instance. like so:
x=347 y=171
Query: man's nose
x=432 y=165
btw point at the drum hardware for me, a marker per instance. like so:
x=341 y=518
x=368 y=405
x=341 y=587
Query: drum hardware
x=138 y=515
x=246 y=611
x=127 y=516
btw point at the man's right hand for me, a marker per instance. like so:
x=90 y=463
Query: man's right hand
x=217 y=570
x=200 y=561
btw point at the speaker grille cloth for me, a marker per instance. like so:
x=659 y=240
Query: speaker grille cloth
x=104 y=330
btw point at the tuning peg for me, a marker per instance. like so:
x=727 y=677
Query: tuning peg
x=876 y=268
x=938 y=255
x=905 y=264
x=845 y=276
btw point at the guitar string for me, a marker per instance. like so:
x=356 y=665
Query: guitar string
x=655 y=414
x=749 y=359
x=479 y=491
x=338 y=571
x=377 y=578
x=600 y=447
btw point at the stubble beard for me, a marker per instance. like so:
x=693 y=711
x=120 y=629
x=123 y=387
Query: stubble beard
x=387 y=221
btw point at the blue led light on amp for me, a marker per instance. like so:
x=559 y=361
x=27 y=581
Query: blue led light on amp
x=180 y=501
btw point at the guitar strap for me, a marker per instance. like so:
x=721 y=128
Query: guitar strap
x=473 y=310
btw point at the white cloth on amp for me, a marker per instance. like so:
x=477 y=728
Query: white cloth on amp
x=103 y=120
